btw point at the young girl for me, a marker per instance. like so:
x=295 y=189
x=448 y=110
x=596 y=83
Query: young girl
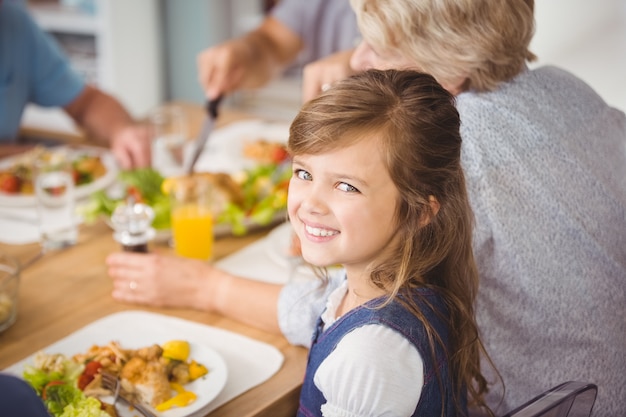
x=378 y=187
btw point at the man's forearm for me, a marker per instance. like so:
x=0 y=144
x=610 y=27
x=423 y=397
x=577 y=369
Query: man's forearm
x=98 y=113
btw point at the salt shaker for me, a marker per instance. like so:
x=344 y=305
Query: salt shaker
x=133 y=226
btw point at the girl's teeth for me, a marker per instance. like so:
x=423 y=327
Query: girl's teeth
x=320 y=232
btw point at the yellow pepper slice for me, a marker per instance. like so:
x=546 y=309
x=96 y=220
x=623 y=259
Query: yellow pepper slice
x=181 y=399
x=196 y=370
x=176 y=349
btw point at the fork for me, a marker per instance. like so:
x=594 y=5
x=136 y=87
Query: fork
x=112 y=383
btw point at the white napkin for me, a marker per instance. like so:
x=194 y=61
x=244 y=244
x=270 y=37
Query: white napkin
x=267 y=259
x=19 y=225
x=249 y=362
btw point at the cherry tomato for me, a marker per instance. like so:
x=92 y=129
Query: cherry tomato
x=135 y=193
x=10 y=183
x=91 y=369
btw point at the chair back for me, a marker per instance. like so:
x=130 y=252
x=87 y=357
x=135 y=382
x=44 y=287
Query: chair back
x=570 y=399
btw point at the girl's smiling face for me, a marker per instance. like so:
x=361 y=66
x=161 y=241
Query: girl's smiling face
x=342 y=205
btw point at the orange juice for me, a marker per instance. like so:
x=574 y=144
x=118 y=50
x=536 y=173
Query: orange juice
x=192 y=228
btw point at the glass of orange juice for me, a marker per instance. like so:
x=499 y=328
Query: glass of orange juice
x=192 y=218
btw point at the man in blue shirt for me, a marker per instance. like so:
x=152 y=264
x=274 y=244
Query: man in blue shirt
x=34 y=70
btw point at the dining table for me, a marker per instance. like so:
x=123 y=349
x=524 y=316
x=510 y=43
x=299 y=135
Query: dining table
x=62 y=291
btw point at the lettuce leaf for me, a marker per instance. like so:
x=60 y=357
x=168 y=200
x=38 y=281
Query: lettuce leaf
x=84 y=407
x=58 y=397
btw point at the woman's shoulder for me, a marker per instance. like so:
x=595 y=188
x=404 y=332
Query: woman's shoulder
x=531 y=87
x=530 y=103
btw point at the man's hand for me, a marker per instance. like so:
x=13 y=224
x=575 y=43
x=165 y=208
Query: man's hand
x=223 y=68
x=131 y=146
x=321 y=74
x=106 y=120
x=249 y=61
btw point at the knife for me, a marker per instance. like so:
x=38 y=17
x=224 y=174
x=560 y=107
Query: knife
x=207 y=127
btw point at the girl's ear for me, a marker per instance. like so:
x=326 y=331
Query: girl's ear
x=430 y=214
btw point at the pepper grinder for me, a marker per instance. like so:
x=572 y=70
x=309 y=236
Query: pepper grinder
x=133 y=226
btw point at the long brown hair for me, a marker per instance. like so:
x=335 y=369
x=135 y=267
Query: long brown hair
x=418 y=126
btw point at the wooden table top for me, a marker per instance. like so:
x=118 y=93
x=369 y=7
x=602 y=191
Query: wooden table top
x=64 y=291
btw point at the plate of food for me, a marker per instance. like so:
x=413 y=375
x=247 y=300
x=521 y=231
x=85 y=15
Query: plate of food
x=247 y=200
x=93 y=169
x=172 y=375
x=243 y=145
x=247 y=162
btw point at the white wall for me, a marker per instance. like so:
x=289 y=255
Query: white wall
x=588 y=38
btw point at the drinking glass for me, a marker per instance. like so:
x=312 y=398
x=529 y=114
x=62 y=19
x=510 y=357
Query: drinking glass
x=170 y=130
x=192 y=215
x=9 y=284
x=55 y=195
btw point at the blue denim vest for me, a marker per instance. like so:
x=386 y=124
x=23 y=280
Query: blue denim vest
x=396 y=317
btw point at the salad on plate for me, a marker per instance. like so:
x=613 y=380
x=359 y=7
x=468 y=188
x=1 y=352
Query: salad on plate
x=252 y=198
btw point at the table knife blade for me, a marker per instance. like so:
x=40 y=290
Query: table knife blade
x=205 y=131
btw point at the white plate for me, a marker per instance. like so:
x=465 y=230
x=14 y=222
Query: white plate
x=223 y=151
x=131 y=336
x=82 y=191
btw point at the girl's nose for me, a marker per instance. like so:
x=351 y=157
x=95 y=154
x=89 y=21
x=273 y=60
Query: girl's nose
x=315 y=203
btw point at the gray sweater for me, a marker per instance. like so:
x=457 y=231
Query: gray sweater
x=545 y=161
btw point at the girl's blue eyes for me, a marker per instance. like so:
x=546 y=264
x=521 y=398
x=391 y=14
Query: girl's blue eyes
x=347 y=187
x=302 y=174
x=342 y=186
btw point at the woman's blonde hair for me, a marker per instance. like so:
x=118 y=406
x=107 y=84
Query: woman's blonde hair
x=417 y=124
x=483 y=42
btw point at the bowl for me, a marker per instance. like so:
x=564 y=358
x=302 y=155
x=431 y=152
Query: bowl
x=9 y=285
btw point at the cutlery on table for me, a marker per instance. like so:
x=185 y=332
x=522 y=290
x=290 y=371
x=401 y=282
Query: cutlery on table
x=207 y=127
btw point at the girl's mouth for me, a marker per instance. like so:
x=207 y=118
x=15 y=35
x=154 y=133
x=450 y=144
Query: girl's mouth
x=320 y=232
